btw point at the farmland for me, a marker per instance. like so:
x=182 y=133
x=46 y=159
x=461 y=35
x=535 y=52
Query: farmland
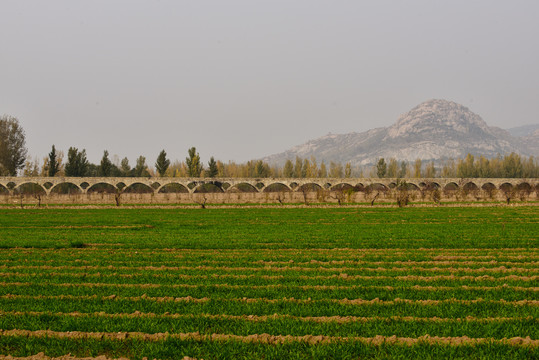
x=270 y=282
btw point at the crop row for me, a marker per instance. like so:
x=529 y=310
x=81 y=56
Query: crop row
x=338 y=282
x=23 y=344
x=267 y=307
x=347 y=255
x=303 y=237
x=328 y=282
x=232 y=266
x=276 y=291
x=264 y=228
x=176 y=348
x=451 y=308
x=232 y=263
x=62 y=322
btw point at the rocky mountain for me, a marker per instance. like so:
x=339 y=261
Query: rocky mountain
x=434 y=130
x=524 y=131
x=531 y=141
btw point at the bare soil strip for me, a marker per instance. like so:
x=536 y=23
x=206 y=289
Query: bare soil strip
x=355 y=302
x=500 y=268
x=342 y=276
x=82 y=227
x=42 y=356
x=273 y=339
x=297 y=204
x=265 y=318
x=344 y=253
x=450 y=269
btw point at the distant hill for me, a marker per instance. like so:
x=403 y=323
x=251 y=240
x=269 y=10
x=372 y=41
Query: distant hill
x=434 y=130
x=522 y=131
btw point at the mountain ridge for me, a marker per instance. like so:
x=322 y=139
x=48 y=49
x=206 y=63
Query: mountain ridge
x=433 y=130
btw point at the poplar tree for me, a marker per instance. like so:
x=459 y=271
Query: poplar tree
x=162 y=163
x=288 y=170
x=194 y=165
x=381 y=168
x=53 y=166
x=106 y=165
x=77 y=163
x=125 y=167
x=212 y=168
x=140 y=168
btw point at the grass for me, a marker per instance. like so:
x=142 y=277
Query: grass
x=344 y=273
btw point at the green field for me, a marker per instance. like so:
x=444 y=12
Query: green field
x=271 y=283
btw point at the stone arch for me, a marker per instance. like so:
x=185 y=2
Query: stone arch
x=173 y=188
x=342 y=187
x=102 y=188
x=525 y=187
x=29 y=188
x=488 y=186
x=66 y=188
x=429 y=185
x=470 y=186
x=217 y=183
x=138 y=188
x=376 y=187
x=243 y=188
x=506 y=187
x=360 y=187
x=276 y=187
x=412 y=186
x=452 y=186
x=309 y=187
x=208 y=188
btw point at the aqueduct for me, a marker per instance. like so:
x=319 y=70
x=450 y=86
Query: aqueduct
x=84 y=185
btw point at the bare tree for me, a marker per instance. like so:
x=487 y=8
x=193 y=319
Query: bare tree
x=402 y=196
x=338 y=195
x=305 y=192
x=201 y=200
x=280 y=197
x=374 y=198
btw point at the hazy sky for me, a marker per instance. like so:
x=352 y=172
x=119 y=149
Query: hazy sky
x=245 y=79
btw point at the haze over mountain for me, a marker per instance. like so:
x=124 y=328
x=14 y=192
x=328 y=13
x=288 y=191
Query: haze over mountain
x=523 y=131
x=434 y=130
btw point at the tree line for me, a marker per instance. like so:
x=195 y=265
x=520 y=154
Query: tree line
x=508 y=166
x=14 y=160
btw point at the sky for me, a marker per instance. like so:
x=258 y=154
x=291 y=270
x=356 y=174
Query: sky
x=242 y=79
